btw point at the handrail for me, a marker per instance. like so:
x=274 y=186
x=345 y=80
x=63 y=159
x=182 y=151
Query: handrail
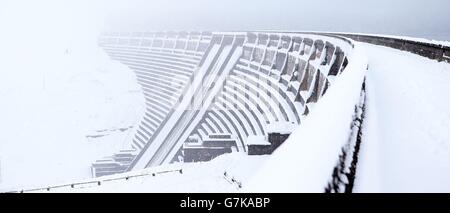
x=99 y=181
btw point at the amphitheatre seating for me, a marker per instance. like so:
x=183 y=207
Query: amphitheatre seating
x=276 y=79
x=209 y=147
x=117 y=163
x=163 y=64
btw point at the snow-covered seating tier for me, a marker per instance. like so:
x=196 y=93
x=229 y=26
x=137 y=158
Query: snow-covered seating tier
x=163 y=63
x=278 y=79
x=240 y=84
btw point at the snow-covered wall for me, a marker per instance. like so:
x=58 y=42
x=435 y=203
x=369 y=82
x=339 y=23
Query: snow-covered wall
x=437 y=50
x=305 y=162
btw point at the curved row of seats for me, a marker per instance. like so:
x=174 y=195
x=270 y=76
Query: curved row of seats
x=278 y=78
x=163 y=69
x=163 y=64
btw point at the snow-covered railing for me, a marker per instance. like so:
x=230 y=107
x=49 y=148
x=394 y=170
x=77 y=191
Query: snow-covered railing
x=429 y=49
x=436 y=50
x=343 y=177
x=96 y=182
x=308 y=159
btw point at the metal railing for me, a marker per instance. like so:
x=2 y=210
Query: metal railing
x=432 y=51
x=92 y=183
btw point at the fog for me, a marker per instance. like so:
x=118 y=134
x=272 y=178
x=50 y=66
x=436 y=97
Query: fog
x=429 y=19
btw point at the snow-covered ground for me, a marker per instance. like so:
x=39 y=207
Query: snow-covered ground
x=76 y=105
x=63 y=102
x=406 y=143
x=226 y=173
x=62 y=116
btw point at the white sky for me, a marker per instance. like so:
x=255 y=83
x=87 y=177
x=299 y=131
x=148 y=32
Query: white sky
x=428 y=18
x=423 y=18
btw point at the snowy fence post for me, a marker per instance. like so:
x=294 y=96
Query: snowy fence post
x=343 y=176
